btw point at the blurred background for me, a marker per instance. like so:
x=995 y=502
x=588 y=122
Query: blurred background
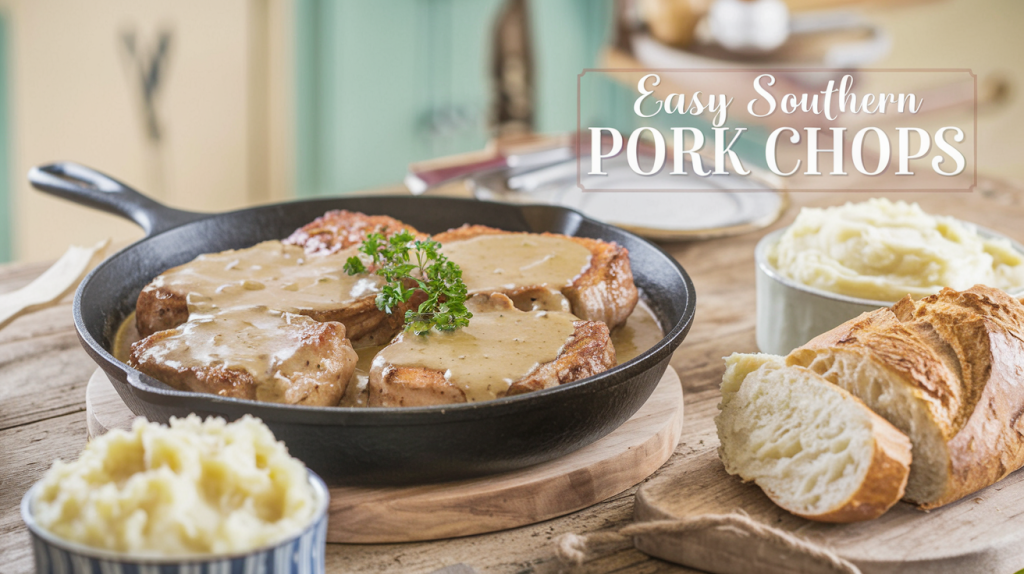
x=212 y=106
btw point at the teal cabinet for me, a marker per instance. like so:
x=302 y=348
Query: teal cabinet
x=385 y=83
x=569 y=36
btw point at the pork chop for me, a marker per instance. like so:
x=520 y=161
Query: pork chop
x=598 y=285
x=340 y=229
x=270 y=273
x=252 y=353
x=333 y=237
x=504 y=351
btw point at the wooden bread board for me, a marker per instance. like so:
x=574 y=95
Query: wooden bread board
x=983 y=532
x=598 y=471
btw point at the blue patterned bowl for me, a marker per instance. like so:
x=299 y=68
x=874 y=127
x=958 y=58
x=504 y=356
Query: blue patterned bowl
x=300 y=554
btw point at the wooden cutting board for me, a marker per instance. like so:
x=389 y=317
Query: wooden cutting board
x=598 y=471
x=981 y=533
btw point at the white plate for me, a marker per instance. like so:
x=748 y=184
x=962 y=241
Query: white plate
x=685 y=209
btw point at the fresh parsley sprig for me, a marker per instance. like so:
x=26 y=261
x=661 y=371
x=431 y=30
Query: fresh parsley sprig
x=403 y=260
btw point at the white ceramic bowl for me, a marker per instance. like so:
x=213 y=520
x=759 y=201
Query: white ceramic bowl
x=790 y=314
x=302 y=553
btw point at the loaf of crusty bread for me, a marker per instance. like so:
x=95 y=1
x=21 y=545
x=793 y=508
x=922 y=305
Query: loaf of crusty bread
x=813 y=448
x=947 y=370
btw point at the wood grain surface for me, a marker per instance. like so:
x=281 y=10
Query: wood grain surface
x=43 y=374
x=487 y=504
x=980 y=533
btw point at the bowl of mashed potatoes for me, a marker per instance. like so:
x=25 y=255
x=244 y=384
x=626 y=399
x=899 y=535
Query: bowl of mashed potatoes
x=835 y=263
x=194 y=496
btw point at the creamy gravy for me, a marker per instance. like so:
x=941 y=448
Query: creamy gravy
x=233 y=286
x=510 y=260
x=262 y=342
x=355 y=392
x=255 y=339
x=229 y=323
x=269 y=272
x=639 y=333
x=127 y=334
x=498 y=348
x=541 y=299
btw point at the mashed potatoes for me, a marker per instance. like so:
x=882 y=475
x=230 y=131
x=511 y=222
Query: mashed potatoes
x=192 y=488
x=884 y=251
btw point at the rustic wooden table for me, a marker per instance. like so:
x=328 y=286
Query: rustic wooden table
x=43 y=373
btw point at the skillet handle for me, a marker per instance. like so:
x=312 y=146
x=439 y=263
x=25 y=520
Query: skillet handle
x=91 y=188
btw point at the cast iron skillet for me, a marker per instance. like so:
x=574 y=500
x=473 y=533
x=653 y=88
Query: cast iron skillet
x=372 y=445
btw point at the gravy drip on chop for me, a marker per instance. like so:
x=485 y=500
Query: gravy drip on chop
x=268 y=344
x=511 y=261
x=234 y=339
x=244 y=315
x=269 y=273
x=483 y=359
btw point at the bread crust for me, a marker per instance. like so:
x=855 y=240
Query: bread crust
x=984 y=327
x=886 y=478
x=880 y=337
x=604 y=292
x=883 y=482
x=965 y=351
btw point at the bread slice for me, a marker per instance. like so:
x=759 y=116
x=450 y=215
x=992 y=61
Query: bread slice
x=813 y=448
x=947 y=370
x=902 y=378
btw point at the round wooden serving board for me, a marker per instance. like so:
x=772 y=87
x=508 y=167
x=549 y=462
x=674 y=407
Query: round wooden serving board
x=607 y=467
x=983 y=532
